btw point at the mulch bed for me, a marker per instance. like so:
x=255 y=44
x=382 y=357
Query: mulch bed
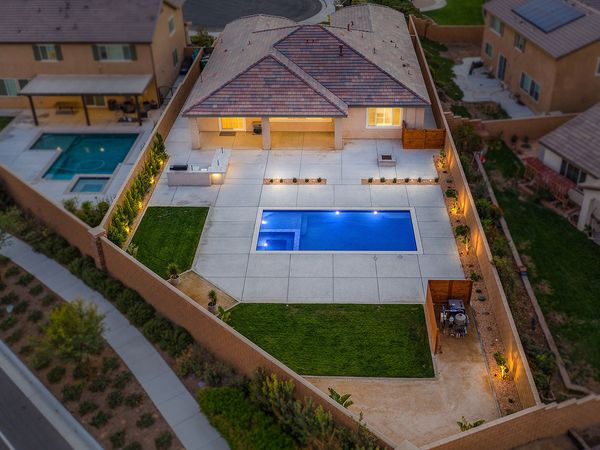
x=106 y=372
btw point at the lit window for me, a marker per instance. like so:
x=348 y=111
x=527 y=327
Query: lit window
x=519 y=42
x=489 y=50
x=95 y=100
x=11 y=87
x=171 y=25
x=47 y=52
x=383 y=117
x=114 y=52
x=496 y=25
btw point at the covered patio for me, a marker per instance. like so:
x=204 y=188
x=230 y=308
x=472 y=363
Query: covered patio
x=68 y=94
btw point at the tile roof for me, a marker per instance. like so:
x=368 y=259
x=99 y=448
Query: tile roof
x=388 y=77
x=557 y=43
x=268 y=88
x=94 y=21
x=578 y=141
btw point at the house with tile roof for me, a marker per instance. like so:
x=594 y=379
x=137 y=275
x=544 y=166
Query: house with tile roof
x=357 y=77
x=546 y=52
x=573 y=151
x=88 y=51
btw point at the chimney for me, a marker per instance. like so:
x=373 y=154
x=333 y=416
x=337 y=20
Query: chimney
x=341 y=47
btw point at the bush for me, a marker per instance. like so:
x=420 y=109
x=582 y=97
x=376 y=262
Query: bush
x=48 y=299
x=163 y=441
x=155 y=328
x=72 y=392
x=85 y=370
x=117 y=439
x=25 y=280
x=26 y=350
x=88 y=212
x=114 y=399
x=241 y=423
x=21 y=307
x=15 y=337
x=189 y=362
x=8 y=323
x=36 y=290
x=99 y=384
x=35 y=316
x=133 y=446
x=140 y=313
x=146 y=420
x=41 y=358
x=110 y=364
x=122 y=379
x=12 y=271
x=87 y=407
x=100 y=419
x=56 y=374
x=127 y=299
x=134 y=400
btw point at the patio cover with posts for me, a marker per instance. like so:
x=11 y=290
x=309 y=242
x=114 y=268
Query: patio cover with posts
x=82 y=85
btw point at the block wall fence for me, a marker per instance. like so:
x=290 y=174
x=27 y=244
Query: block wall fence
x=449 y=34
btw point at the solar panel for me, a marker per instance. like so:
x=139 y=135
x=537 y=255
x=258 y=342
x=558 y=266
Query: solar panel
x=548 y=15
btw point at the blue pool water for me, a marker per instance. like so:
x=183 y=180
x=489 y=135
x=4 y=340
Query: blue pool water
x=85 y=153
x=342 y=230
x=90 y=184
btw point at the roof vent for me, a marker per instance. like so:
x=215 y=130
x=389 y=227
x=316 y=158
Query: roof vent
x=341 y=47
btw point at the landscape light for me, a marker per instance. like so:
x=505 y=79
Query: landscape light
x=375 y=212
x=337 y=213
x=264 y=222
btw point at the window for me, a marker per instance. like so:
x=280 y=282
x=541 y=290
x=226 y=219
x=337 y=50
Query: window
x=171 y=26
x=572 y=172
x=519 y=42
x=233 y=123
x=114 y=52
x=530 y=86
x=11 y=87
x=95 y=100
x=383 y=117
x=489 y=50
x=47 y=52
x=175 y=57
x=496 y=25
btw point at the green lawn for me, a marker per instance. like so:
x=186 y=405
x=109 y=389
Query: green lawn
x=564 y=267
x=441 y=69
x=4 y=121
x=458 y=12
x=169 y=234
x=341 y=340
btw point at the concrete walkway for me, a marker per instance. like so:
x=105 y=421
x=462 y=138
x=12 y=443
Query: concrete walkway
x=30 y=416
x=170 y=396
x=429 y=5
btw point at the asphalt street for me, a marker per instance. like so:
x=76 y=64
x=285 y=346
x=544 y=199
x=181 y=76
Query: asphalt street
x=22 y=426
x=213 y=15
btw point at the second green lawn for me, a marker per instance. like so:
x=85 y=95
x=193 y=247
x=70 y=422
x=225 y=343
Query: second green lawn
x=169 y=234
x=458 y=12
x=340 y=340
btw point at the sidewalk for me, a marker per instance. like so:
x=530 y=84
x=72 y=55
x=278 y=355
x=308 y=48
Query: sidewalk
x=170 y=396
x=50 y=408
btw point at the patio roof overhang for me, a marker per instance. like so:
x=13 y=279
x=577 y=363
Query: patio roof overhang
x=82 y=85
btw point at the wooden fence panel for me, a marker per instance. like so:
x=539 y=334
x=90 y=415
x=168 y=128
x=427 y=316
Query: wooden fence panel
x=421 y=138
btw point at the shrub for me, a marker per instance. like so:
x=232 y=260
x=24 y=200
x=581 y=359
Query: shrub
x=12 y=271
x=146 y=420
x=126 y=300
x=26 y=350
x=15 y=337
x=163 y=441
x=21 y=307
x=36 y=290
x=134 y=400
x=2 y=286
x=88 y=212
x=35 y=316
x=155 y=328
x=122 y=379
x=100 y=419
x=117 y=439
x=451 y=193
x=56 y=374
x=41 y=358
x=72 y=392
x=99 y=384
x=114 y=399
x=140 y=313
x=135 y=445
x=110 y=364
x=85 y=370
x=189 y=363
x=240 y=422
x=48 y=300
x=8 y=323
x=10 y=298
x=86 y=407
x=25 y=280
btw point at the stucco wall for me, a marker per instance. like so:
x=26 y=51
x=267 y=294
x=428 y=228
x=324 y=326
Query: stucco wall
x=164 y=44
x=355 y=125
x=551 y=159
x=449 y=34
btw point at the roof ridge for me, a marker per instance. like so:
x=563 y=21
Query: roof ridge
x=297 y=71
x=377 y=66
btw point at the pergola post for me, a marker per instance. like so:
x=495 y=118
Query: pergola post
x=33 y=113
x=266 y=133
x=85 y=111
x=137 y=110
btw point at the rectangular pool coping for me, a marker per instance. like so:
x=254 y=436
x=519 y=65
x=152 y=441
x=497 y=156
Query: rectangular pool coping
x=413 y=218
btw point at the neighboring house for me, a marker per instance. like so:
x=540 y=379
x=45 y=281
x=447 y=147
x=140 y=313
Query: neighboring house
x=573 y=150
x=545 y=51
x=88 y=50
x=356 y=78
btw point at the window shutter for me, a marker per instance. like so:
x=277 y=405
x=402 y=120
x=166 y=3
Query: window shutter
x=96 y=52
x=36 y=53
x=132 y=52
x=58 y=51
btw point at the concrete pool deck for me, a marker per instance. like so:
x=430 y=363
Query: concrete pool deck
x=224 y=254
x=30 y=165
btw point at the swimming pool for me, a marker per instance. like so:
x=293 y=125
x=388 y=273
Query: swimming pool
x=84 y=153
x=358 y=230
x=90 y=184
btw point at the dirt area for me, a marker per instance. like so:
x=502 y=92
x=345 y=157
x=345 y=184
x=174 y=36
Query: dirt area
x=197 y=288
x=105 y=373
x=425 y=410
x=456 y=52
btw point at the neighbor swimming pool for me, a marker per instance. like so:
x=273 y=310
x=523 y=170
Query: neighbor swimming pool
x=336 y=230
x=84 y=153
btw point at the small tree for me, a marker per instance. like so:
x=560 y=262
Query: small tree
x=465 y=425
x=343 y=400
x=74 y=331
x=212 y=298
x=173 y=270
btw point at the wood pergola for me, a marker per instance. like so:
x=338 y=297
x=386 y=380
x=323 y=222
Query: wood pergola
x=84 y=85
